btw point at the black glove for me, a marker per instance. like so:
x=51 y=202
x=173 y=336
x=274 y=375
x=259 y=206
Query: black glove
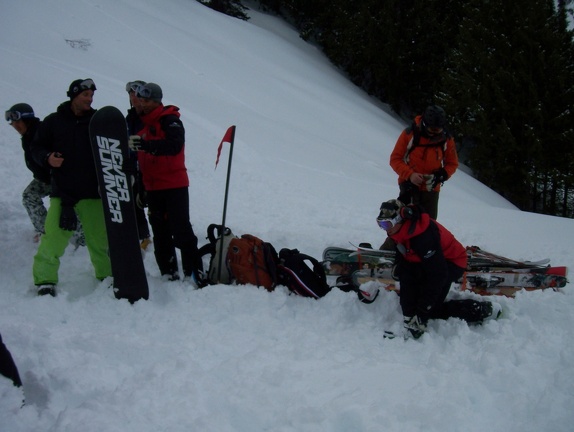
x=411 y=212
x=406 y=192
x=68 y=219
x=440 y=176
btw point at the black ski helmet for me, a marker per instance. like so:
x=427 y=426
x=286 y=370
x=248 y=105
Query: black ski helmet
x=19 y=111
x=23 y=108
x=434 y=117
x=390 y=209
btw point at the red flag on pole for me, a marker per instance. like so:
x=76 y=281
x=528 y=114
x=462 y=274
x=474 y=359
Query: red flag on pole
x=229 y=137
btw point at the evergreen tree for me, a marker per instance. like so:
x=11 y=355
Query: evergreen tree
x=232 y=8
x=500 y=88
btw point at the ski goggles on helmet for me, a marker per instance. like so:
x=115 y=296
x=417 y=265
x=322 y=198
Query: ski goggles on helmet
x=87 y=84
x=387 y=224
x=11 y=116
x=144 y=92
x=133 y=86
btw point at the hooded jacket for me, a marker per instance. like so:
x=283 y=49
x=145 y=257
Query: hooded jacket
x=40 y=172
x=65 y=133
x=162 y=163
x=423 y=238
x=431 y=153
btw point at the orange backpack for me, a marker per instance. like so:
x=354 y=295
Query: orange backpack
x=252 y=261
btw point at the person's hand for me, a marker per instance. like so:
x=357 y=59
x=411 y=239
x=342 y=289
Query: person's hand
x=416 y=178
x=55 y=160
x=68 y=219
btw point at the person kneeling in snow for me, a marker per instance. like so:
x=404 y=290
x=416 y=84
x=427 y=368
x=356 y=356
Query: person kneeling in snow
x=428 y=260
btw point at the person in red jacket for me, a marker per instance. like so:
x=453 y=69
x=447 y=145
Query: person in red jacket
x=424 y=157
x=429 y=260
x=134 y=124
x=160 y=145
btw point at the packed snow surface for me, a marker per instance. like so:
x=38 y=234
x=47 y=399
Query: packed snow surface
x=310 y=169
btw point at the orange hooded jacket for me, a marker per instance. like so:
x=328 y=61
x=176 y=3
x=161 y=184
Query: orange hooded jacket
x=428 y=156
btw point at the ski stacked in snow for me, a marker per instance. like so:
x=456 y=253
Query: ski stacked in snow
x=487 y=274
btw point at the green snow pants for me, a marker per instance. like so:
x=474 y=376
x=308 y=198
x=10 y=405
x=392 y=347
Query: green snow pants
x=54 y=242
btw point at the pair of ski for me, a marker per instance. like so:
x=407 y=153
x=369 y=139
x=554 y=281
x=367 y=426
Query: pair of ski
x=487 y=273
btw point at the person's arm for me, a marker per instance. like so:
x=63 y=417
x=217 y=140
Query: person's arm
x=173 y=141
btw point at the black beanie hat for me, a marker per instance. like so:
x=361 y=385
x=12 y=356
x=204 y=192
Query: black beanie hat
x=79 y=85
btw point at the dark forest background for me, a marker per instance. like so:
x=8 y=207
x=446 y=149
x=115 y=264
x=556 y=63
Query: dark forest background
x=503 y=70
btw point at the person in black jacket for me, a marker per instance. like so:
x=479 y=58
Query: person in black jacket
x=22 y=118
x=62 y=143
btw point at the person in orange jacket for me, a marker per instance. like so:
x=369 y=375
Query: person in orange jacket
x=424 y=157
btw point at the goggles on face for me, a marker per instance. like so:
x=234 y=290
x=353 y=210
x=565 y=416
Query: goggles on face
x=433 y=130
x=17 y=115
x=387 y=224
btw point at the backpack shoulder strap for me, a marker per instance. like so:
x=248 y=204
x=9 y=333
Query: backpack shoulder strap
x=415 y=140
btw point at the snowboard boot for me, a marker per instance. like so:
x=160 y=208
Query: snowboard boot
x=171 y=277
x=46 y=289
x=472 y=311
x=197 y=278
x=490 y=310
x=414 y=326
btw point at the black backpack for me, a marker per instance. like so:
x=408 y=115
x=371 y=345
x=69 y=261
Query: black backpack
x=302 y=274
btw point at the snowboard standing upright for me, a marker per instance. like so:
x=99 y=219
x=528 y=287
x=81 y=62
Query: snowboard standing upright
x=109 y=138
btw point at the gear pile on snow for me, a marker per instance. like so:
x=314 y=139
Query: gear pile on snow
x=487 y=273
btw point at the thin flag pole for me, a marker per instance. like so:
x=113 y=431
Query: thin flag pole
x=229 y=137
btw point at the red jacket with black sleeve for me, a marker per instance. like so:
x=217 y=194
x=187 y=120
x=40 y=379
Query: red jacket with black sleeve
x=426 y=248
x=162 y=163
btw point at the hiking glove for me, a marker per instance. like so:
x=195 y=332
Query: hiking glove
x=134 y=142
x=429 y=181
x=68 y=219
x=440 y=176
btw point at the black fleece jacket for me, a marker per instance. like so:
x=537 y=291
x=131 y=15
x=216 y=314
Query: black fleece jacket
x=65 y=133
